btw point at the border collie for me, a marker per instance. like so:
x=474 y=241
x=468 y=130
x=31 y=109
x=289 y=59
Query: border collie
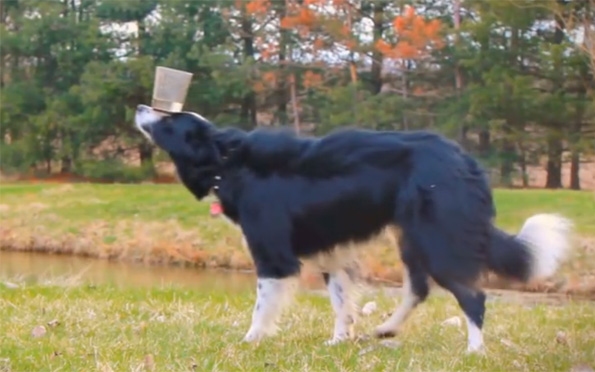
x=299 y=198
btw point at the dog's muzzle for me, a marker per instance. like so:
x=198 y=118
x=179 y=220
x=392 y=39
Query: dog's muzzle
x=144 y=119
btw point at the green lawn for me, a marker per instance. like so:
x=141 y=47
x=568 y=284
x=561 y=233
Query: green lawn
x=81 y=203
x=107 y=328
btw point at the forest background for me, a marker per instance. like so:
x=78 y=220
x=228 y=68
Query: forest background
x=511 y=80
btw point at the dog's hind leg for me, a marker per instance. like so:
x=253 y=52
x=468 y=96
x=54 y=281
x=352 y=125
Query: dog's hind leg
x=415 y=291
x=271 y=296
x=472 y=302
x=341 y=286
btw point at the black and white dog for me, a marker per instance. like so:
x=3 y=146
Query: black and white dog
x=299 y=198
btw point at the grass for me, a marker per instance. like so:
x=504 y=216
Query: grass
x=85 y=202
x=111 y=328
x=107 y=328
x=165 y=224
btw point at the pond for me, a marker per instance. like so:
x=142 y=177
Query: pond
x=38 y=267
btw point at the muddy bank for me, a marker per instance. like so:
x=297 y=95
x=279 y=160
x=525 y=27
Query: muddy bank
x=183 y=267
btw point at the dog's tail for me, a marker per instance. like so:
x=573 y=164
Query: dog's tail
x=535 y=252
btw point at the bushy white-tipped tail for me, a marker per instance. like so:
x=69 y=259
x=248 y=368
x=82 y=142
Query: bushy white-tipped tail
x=548 y=238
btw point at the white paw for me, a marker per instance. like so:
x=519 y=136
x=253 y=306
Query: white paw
x=476 y=349
x=253 y=336
x=257 y=334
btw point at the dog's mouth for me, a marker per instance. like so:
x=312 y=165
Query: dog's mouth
x=145 y=118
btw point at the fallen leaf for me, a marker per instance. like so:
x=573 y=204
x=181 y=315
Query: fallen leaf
x=391 y=344
x=561 y=338
x=369 y=308
x=581 y=368
x=508 y=343
x=11 y=285
x=453 y=321
x=142 y=326
x=38 y=331
x=366 y=350
x=149 y=362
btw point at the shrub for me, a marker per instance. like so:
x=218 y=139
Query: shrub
x=113 y=170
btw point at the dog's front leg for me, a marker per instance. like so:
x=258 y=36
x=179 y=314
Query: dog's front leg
x=271 y=296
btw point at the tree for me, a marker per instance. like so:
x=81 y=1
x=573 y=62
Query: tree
x=511 y=80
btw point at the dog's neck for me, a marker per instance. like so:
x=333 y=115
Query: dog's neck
x=227 y=142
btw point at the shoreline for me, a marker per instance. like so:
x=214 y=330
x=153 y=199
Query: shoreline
x=555 y=286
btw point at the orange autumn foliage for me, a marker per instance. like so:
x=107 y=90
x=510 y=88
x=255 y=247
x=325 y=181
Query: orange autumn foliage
x=270 y=77
x=318 y=43
x=312 y=79
x=257 y=6
x=415 y=35
x=268 y=81
x=304 y=17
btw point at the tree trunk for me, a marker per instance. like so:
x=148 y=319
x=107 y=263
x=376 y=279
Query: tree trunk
x=458 y=75
x=507 y=165
x=281 y=93
x=523 y=164
x=405 y=90
x=484 y=142
x=377 y=58
x=294 y=104
x=575 y=135
x=145 y=152
x=66 y=165
x=575 y=182
x=248 y=111
x=554 y=164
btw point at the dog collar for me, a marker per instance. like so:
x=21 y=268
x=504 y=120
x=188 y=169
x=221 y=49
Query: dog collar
x=217 y=178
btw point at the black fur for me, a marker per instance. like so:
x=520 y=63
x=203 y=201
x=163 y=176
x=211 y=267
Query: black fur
x=296 y=197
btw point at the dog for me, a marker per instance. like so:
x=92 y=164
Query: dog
x=298 y=198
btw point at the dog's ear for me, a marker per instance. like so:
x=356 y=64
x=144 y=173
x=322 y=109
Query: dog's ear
x=228 y=140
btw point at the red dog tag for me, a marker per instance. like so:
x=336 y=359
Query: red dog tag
x=216 y=209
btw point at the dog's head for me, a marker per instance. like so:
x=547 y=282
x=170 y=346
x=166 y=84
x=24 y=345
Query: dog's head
x=189 y=139
x=184 y=134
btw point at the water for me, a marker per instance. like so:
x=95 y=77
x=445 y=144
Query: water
x=37 y=267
